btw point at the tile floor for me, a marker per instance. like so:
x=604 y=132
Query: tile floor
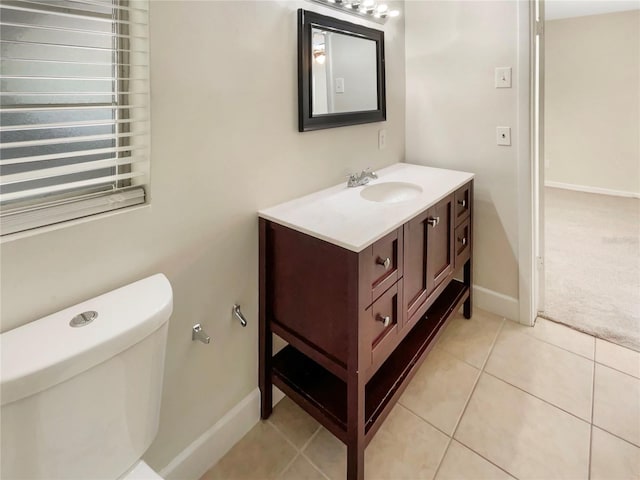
x=493 y=400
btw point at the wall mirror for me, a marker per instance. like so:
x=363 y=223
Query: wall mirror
x=340 y=73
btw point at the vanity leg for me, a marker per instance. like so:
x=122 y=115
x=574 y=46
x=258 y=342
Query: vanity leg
x=467 y=308
x=265 y=348
x=355 y=429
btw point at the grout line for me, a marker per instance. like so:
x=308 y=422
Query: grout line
x=464 y=410
x=617 y=370
x=310 y=439
x=482 y=370
x=286 y=467
x=315 y=466
x=615 y=435
x=512 y=475
x=575 y=329
x=435 y=474
x=283 y=435
x=554 y=344
x=539 y=398
x=593 y=401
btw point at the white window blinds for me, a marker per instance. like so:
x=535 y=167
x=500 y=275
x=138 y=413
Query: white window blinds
x=74 y=110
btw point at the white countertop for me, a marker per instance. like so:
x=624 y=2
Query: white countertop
x=339 y=215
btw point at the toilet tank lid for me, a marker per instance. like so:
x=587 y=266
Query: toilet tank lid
x=48 y=351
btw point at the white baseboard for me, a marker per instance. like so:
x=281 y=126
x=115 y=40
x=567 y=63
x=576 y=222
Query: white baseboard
x=588 y=189
x=495 y=302
x=212 y=445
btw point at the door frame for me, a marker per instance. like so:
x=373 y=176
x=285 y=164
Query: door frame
x=530 y=113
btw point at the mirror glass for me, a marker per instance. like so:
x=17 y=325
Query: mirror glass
x=344 y=73
x=340 y=73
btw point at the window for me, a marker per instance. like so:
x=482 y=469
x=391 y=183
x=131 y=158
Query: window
x=74 y=110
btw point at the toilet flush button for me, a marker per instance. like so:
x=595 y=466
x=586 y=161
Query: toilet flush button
x=85 y=318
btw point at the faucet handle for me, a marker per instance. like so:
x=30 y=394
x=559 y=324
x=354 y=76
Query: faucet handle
x=369 y=172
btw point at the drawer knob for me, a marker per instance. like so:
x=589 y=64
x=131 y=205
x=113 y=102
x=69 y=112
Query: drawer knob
x=463 y=240
x=462 y=203
x=384 y=262
x=386 y=321
x=433 y=221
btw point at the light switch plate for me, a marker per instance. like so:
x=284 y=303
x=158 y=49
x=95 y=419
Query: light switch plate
x=339 y=85
x=503 y=136
x=503 y=77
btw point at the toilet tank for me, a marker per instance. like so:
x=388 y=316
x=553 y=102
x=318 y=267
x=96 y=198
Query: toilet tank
x=84 y=402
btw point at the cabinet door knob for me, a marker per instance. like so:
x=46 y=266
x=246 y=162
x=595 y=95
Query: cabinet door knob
x=433 y=221
x=386 y=321
x=384 y=262
x=463 y=240
x=462 y=203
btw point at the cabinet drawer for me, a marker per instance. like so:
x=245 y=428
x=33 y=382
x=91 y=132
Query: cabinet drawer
x=462 y=242
x=385 y=263
x=462 y=204
x=383 y=324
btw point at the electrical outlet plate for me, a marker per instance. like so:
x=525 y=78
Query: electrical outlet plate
x=382 y=139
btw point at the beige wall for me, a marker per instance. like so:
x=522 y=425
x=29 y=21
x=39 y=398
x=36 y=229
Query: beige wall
x=224 y=144
x=592 y=101
x=453 y=110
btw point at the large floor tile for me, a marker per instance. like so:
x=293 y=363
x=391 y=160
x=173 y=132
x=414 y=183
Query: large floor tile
x=296 y=424
x=440 y=390
x=544 y=370
x=261 y=454
x=616 y=403
x=329 y=454
x=524 y=435
x=405 y=447
x=559 y=335
x=460 y=463
x=612 y=458
x=620 y=358
x=301 y=469
x=470 y=340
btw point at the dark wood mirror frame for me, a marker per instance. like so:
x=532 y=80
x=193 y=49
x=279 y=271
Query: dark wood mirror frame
x=306 y=120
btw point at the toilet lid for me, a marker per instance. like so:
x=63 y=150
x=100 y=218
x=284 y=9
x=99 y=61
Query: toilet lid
x=141 y=471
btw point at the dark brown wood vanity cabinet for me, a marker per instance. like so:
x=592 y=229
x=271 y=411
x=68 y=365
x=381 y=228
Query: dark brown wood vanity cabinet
x=359 y=324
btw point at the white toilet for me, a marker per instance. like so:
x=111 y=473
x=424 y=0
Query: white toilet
x=83 y=401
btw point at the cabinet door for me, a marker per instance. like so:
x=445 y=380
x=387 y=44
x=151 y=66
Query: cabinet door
x=415 y=264
x=439 y=243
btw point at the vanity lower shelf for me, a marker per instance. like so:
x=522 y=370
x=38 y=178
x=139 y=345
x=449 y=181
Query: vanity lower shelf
x=324 y=396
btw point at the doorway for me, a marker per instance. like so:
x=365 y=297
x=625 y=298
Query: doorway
x=587 y=114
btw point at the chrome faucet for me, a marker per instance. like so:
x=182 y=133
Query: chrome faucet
x=362 y=178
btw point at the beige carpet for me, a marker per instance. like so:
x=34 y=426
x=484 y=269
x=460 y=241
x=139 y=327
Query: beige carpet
x=592 y=257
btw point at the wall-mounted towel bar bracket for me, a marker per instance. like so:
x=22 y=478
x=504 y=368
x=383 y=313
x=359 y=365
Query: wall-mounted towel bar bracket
x=238 y=314
x=197 y=333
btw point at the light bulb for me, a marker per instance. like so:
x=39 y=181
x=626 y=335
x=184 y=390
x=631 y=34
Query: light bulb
x=368 y=3
x=394 y=13
x=382 y=8
x=321 y=58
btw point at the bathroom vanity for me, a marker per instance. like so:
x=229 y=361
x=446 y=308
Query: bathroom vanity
x=360 y=282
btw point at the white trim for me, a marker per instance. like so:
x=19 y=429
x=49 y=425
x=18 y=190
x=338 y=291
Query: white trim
x=194 y=461
x=495 y=302
x=525 y=312
x=589 y=189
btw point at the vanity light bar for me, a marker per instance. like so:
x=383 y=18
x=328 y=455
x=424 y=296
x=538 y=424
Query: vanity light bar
x=369 y=9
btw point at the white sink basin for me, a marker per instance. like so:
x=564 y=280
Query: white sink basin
x=390 y=192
